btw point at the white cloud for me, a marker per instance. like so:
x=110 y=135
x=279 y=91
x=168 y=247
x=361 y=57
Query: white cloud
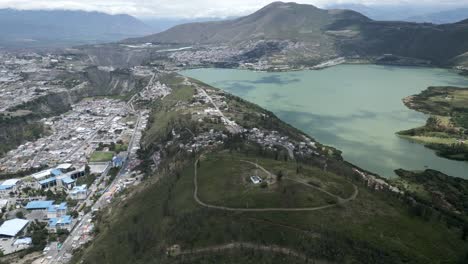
x=186 y=8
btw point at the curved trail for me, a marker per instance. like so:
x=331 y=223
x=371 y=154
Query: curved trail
x=246 y=245
x=272 y=209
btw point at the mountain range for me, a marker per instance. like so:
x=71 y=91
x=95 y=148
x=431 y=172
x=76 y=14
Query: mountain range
x=56 y=28
x=327 y=33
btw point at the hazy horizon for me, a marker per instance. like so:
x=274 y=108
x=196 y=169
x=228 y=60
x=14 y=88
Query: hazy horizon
x=196 y=9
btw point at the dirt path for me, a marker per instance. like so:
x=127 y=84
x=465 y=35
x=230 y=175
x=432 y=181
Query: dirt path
x=246 y=245
x=272 y=209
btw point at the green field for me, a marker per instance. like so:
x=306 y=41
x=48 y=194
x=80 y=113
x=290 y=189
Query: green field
x=101 y=156
x=224 y=180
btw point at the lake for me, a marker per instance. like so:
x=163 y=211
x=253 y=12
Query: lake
x=355 y=108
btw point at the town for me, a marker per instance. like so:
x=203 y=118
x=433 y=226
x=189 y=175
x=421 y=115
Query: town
x=52 y=186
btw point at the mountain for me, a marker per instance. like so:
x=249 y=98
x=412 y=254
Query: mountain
x=275 y=21
x=40 y=28
x=387 y=12
x=443 y=17
x=325 y=34
x=162 y=24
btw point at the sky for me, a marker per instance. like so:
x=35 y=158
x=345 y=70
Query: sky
x=191 y=8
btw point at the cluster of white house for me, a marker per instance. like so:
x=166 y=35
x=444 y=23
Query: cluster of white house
x=63 y=176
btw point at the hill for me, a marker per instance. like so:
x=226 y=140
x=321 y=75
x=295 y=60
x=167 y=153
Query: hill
x=55 y=28
x=199 y=203
x=304 y=31
x=275 y=21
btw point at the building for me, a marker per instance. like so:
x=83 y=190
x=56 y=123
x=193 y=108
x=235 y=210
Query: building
x=79 y=192
x=25 y=241
x=9 y=186
x=39 y=205
x=255 y=179
x=42 y=174
x=11 y=228
x=117 y=161
x=57 y=210
x=63 y=222
x=4 y=203
x=56 y=178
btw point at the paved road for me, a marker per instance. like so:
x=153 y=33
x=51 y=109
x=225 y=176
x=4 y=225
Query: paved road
x=272 y=209
x=231 y=125
x=109 y=120
x=100 y=203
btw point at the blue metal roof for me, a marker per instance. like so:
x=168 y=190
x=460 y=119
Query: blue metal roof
x=39 y=205
x=55 y=207
x=47 y=181
x=5 y=187
x=64 y=220
x=68 y=180
x=56 y=172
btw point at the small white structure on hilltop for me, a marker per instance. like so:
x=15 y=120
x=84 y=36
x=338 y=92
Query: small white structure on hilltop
x=255 y=179
x=11 y=228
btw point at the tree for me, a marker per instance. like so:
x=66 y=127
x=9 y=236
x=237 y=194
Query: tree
x=74 y=214
x=279 y=176
x=20 y=214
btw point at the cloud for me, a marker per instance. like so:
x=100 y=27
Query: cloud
x=186 y=8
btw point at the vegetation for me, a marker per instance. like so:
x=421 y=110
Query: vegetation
x=88 y=180
x=446 y=131
x=375 y=227
x=437 y=189
x=100 y=156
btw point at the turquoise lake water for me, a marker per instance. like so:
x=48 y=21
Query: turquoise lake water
x=355 y=108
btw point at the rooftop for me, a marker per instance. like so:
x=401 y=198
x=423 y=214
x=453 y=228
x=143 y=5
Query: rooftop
x=46 y=181
x=10 y=182
x=64 y=220
x=39 y=205
x=41 y=174
x=55 y=207
x=12 y=227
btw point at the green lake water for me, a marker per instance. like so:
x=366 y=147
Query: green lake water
x=355 y=108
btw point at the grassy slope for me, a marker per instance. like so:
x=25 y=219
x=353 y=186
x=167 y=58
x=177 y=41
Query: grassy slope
x=376 y=227
x=373 y=227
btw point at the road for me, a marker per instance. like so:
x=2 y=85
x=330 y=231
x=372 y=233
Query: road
x=81 y=145
x=58 y=257
x=230 y=125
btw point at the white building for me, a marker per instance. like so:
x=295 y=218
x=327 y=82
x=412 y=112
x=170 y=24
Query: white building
x=79 y=192
x=11 y=228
